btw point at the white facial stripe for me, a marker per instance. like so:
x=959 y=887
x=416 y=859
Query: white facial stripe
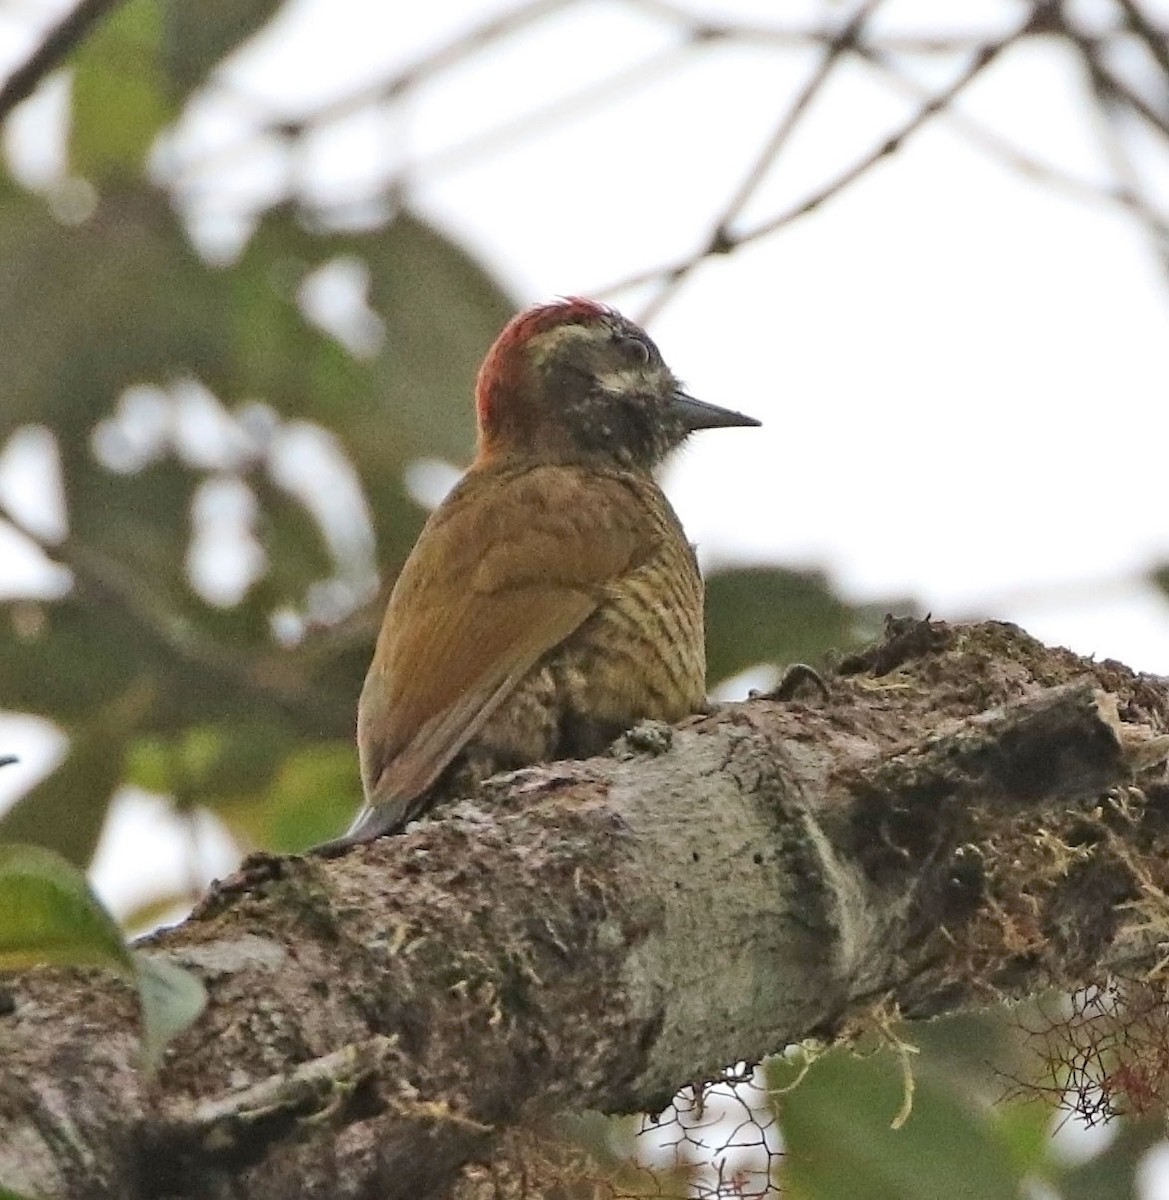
x=633 y=380
x=551 y=340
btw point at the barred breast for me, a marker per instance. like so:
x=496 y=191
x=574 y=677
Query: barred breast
x=640 y=655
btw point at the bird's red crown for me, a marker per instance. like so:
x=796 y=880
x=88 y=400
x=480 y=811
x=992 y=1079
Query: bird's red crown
x=504 y=359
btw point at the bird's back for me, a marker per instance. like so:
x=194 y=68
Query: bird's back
x=545 y=609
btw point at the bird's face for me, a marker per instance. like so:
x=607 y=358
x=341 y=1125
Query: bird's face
x=578 y=381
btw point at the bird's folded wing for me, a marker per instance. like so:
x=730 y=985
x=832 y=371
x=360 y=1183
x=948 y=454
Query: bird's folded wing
x=463 y=628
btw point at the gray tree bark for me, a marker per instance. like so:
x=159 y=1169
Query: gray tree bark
x=965 y=818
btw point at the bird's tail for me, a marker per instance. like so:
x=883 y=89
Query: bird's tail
x=373 y=821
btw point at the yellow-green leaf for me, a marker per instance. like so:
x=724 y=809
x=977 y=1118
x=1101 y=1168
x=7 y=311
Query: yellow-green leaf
x=49 y=915
x=120 y=98
x=313 y=797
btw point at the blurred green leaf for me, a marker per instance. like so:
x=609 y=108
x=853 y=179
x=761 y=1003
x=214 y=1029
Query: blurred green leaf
x=1159 y=578
x=441 y=311
x=220 y=764
x=130 y=528
x=1113 y=1173
x=1025 y=1129
x=414 y=396
x=314 y=797
x=120 y=97
x=116 y=300
x=66 y=811
x=63 y=659
x=48 y=914
x=975 y=1055
x=171 y=999
x=297 y=551
x=275 y=353
x=198 y=36
x=776 y=615
x=160 y=909
x=71 y=658
x=838 y=1144
x=132 y=75
x=268 y=787
x=983 y=1057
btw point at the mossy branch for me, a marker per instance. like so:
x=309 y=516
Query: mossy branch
x=967 y=816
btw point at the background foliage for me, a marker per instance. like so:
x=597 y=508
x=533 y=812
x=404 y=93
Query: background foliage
x=187 y=405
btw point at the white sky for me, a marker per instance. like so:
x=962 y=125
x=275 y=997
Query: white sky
x=961 y=375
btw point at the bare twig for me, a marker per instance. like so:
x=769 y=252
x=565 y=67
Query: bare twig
x=1111 y=85
x=893 y=42
x=841 y=42
x=594 y=95
x=61 y=40
x=423 y=68
x=666 y=274
x=992 y=143
x=1113 y=97
x=1156 y=40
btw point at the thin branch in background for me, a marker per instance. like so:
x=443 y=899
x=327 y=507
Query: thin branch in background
x=423 y=69
x=499 y=138
x=720 y=233
x=1156 y=40
x=988 y=141
x=61 y=40
x=846 y=39
x=1114 y=101
x=1119 y=89
x=1111 y=91
x=699 y=32
x=702 y=24
x=666 y=274
x=698 y=29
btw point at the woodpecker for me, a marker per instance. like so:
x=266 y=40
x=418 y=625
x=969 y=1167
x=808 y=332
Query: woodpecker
x=552 y=600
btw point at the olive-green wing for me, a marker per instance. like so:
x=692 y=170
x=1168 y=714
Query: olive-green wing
x=501 y=575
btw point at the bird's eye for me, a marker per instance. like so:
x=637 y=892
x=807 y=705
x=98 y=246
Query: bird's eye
x=638 y=350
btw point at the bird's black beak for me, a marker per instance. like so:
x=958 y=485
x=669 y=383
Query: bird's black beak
x=697 y=414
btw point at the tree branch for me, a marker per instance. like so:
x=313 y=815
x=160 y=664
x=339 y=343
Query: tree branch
x=58 y=44
x=668 y=277
x=969 y=816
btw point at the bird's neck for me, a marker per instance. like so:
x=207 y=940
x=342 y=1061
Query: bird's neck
x=490 y=457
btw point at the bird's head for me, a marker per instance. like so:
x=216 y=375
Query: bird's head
x=576 y=381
